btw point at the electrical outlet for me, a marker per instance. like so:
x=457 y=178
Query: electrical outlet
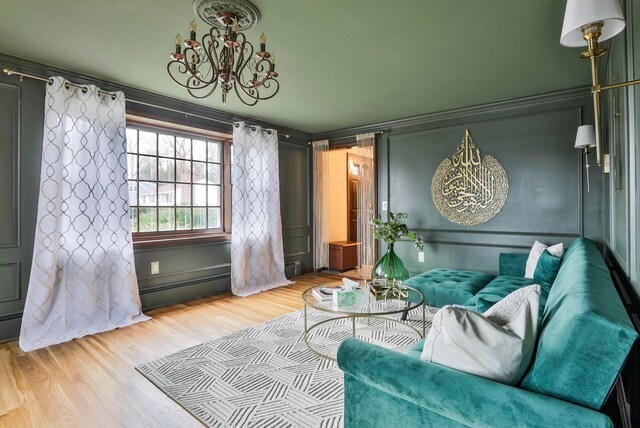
x=421 y=256
x=384 y=205
x=155 y=268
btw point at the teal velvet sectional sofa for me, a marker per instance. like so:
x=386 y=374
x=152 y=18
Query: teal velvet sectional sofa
x=584 y=338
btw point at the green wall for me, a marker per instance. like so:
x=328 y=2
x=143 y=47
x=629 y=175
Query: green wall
x=532 y=138
x=186 y=272
x=621 y=139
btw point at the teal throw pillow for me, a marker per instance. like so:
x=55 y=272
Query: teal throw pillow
x=483 y=305
x=546 y=270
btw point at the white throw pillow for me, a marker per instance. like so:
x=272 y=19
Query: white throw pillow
x=537 y=249
x=496 y=345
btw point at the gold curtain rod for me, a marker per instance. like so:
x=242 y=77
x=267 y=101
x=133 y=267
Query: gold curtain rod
x=11 y=72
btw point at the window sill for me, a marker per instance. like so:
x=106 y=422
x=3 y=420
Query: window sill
x=178 y=240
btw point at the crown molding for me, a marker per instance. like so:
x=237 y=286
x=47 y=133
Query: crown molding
x=483 y=109
x=147 y=97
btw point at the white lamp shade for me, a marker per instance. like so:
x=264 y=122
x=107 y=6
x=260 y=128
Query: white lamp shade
x=582 y=12
x=586 y=137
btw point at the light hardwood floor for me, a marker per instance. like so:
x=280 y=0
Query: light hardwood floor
x=91 y=382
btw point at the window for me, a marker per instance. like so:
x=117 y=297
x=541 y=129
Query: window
x=176 y=183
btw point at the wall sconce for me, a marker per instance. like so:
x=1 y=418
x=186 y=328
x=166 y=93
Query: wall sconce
x=585 y=138
x=585 y=23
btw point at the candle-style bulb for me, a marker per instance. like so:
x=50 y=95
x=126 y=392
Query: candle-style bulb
x=263 y=39
x=235 y=24
x=193 y=26
x=178 y=39
x=272 y=58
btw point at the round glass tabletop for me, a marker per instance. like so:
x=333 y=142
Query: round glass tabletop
x=409 y=299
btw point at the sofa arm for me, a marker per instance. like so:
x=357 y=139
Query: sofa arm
x=422 y=388
x=513 y=264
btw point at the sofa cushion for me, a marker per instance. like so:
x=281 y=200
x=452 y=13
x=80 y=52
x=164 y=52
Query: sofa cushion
x=483 y=305
x=497 y=290
x=585 y=333
x=448 y=286
x=512 y=264
x=546 y=270
x=537 y=249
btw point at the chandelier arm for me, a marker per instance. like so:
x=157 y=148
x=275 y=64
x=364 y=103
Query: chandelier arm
x=182 y=72
x=213 y=87
x=254 y=92
x=210 y=44
x=241 y=97
x=262 y=74
x=193 y=67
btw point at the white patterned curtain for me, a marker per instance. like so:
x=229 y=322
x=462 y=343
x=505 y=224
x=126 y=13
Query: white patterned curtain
x=320 y=204
x=366 y=201
x=83 y=278
x=257 y=256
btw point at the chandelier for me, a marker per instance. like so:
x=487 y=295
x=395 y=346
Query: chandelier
x=223 y=57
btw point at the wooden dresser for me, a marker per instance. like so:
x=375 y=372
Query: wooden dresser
x=343 y=255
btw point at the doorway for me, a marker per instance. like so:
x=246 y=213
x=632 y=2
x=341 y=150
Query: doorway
x=350 y=181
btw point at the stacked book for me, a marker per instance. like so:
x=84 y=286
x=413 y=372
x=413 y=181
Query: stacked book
x=325 y=293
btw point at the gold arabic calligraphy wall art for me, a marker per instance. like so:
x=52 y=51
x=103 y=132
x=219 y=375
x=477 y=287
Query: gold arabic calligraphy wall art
x=469 y=189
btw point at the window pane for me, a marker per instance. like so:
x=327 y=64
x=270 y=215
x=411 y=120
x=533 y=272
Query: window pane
x=199 y=195
x=166 y=194
x=147 y=143
x=213 y=173
x=132 y=167
x=199 y=172
x=133 y=215
x=132 y=140
x=148 y=221
x=166 y=169
x=183 y=194
x=166 y=145
x=214 y=218
x=213 y=152
x=133 y=193
x=199 y=218
x=214 y=196
x=147 y=168
x=199 y=150
x=183 y=148
x=183 y=218
x=166 y=219
x=183 y=171
x=147 y=195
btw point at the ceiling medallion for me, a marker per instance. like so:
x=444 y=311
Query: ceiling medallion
x=207 y=10
x=469 y=189
x=223 y=57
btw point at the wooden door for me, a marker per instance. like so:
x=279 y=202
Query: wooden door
x=355 y=168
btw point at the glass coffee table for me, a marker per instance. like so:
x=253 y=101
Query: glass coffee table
x=382 y=309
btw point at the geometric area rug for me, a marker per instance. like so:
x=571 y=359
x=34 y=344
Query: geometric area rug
x=266 y=376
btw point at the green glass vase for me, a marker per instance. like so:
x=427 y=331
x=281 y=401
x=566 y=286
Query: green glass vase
x=390 y=267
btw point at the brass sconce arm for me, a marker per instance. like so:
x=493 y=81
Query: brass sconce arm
x=591 y=32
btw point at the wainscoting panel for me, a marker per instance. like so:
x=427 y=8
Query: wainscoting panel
x=10 y=280
x=295 y=199
x=21 y=113
x=9 y=165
